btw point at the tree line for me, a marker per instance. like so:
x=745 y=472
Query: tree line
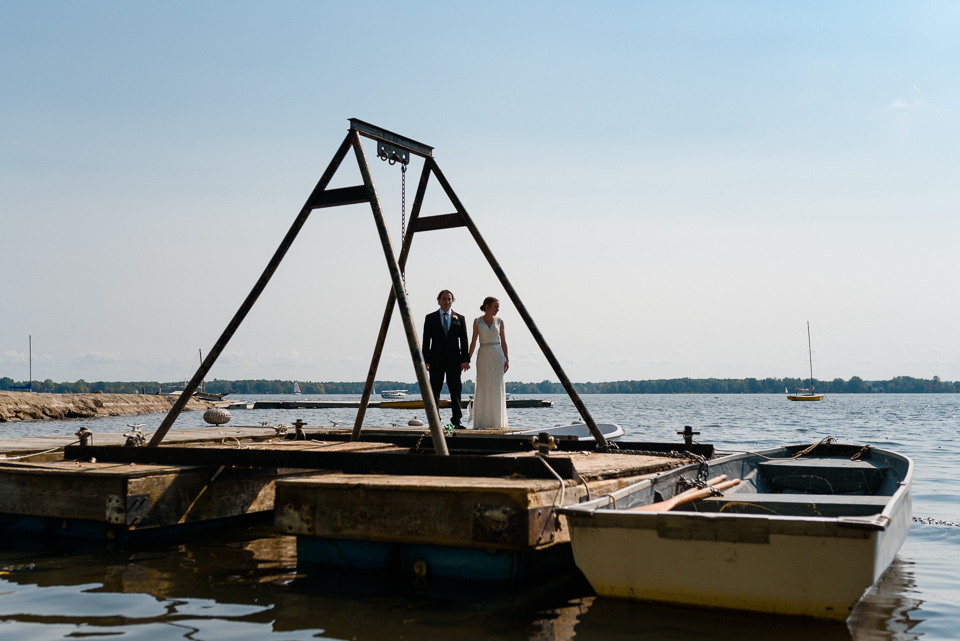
x=856 y=385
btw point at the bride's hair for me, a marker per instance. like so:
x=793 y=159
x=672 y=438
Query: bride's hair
x=487 y=301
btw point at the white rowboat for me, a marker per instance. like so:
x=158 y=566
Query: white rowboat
x=802 y=535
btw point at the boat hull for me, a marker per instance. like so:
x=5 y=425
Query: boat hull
x=610 y=431
x=805 y=397
x=817 y=566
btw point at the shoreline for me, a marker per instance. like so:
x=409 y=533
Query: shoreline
x=26 y=406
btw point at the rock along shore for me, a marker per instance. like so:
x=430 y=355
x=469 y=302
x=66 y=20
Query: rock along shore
x=20 y=406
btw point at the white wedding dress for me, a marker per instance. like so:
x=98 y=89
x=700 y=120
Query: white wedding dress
x=489 y=399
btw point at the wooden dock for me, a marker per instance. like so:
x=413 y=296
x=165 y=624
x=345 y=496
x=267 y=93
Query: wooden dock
x=386 y=502
x=40 y=491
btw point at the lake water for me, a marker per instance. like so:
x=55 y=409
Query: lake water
x=245 y=585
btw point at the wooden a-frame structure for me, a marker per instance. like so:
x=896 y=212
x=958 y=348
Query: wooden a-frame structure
x=395 y=148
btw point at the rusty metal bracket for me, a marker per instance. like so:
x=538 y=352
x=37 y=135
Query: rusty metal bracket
x=392 y=153
x=131 y=510
x=138 y=509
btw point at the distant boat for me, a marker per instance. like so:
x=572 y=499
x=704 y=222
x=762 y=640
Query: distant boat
x=802 y=393
x=208 y=396
x=579 y=429
x=394 y=393
x=296 y=388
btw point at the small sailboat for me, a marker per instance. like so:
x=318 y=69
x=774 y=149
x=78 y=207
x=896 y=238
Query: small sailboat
x=801 y=393
x=296 y=388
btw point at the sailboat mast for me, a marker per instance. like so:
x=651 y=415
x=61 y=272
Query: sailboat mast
x=810 y=352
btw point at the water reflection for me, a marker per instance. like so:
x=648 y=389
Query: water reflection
x=885 y=613
x=248 y=586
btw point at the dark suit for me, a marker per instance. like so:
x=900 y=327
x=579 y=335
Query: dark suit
x=444 y=353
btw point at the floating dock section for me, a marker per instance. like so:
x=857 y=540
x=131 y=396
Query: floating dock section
x=387 y=502
x=89 y=497
x=498 y=528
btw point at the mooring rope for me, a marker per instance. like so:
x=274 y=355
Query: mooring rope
x=824 y=441
x=239 y=444
x=15 y=458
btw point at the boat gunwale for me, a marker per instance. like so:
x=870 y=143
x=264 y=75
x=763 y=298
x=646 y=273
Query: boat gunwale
x=600 y=515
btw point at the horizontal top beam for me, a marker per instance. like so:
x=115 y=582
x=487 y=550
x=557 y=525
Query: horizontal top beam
x=376 y=133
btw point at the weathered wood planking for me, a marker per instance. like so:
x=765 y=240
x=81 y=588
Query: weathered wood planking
x=21 y=445
x=118 y=500
x=493 y=513
x=132 y=497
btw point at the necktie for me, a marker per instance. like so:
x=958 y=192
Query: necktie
x=446 y=324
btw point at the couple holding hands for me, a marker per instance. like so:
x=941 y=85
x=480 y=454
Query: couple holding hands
x=447 y=356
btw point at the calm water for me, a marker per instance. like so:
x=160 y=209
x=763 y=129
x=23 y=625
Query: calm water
x=244 y=585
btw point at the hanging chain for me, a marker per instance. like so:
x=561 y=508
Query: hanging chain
x=393 y=154
x=403 y=219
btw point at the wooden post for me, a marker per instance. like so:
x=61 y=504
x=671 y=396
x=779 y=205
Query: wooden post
x=388 y=313
x=429 y=403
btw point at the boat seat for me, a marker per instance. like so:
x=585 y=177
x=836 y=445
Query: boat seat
x=791 y=504
x=822 y=476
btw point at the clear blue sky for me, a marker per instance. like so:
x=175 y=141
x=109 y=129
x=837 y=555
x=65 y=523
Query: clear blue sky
x=674 y=189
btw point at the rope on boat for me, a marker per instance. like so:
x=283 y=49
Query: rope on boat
x=865 y=450
x=824 y=441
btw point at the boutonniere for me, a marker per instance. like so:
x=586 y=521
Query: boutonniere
x=455 y=318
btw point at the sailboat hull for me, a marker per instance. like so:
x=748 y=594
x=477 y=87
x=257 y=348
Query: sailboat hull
x=802 y=393
x=804 y=397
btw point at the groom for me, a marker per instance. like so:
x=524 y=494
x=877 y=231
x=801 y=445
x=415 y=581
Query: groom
x=445 y=352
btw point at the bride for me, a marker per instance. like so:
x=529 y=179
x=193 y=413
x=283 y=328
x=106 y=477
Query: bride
x=490 y=399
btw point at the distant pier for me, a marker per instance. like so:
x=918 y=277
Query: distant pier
x=397 y=404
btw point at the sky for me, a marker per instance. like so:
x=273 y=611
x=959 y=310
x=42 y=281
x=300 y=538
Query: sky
x=673 y=189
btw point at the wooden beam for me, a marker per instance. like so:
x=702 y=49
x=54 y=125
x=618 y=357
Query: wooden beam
x=336 y=197
x=431 y=223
